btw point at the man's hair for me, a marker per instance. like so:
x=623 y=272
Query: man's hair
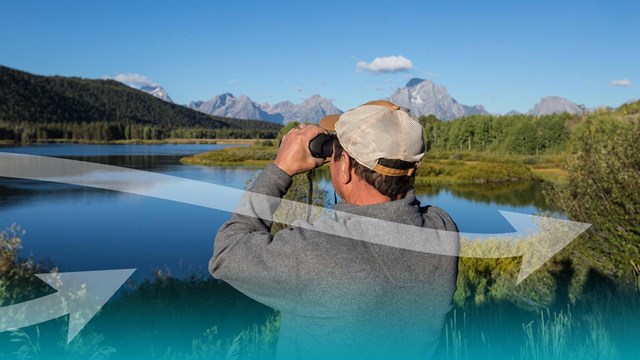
x=395 y=187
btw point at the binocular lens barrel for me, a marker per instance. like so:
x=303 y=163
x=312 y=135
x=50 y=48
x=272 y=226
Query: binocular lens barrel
x=322 y=146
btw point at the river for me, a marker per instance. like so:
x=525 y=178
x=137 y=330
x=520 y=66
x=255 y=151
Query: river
x=78 y=228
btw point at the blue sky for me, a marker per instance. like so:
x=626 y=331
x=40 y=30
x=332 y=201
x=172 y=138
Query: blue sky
x=502 y=54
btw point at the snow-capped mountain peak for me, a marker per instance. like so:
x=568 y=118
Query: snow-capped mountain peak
x=142 y=83
x=157 y=91
x=424 y=97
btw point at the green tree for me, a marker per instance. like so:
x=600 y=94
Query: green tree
x=602 y=189
x=285 y=130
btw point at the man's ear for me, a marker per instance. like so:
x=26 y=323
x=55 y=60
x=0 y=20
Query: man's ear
x=345 y=168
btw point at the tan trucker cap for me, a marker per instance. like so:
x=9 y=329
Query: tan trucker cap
x=379 y=130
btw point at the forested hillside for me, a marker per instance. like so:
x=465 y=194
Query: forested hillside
x=43 y=107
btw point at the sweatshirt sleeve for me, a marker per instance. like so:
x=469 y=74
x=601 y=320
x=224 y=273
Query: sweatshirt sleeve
x=246 y=255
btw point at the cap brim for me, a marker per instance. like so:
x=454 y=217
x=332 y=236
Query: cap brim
x=329 y=122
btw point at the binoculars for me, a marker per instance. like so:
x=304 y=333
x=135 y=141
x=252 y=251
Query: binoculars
x=322 y=146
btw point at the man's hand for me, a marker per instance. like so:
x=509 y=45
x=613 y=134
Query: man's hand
x=294 y=156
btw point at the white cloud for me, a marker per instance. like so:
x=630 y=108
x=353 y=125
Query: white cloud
x=389 y=64
x=134 y=80
x=234 y=82
x=621 y=83
x=378 y=88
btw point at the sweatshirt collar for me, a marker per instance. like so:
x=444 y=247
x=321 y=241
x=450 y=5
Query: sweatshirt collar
x=402 y=211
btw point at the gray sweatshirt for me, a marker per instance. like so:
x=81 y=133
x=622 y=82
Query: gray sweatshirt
x=340 y=297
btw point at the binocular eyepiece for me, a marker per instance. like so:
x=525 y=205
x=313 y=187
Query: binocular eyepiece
x=322 y=146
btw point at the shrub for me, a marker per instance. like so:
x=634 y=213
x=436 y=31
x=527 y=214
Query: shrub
x=483 y=173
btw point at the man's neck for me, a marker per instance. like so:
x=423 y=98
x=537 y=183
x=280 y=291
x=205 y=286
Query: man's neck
x=364 y=194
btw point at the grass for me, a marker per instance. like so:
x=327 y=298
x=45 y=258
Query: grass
x=565 y=310
x=437 y=168
x=465 y=167
x=597 y=325
x=259 y=154
x=470 y=172
x=550 y=174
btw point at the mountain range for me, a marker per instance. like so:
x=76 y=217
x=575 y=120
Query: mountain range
x=421 y=96
x=311 y=109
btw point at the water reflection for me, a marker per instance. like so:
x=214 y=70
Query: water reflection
x=518 y=194
x=474 y=207
x=525 y=193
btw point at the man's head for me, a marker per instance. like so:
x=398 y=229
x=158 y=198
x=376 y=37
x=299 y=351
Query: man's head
x=378 y=148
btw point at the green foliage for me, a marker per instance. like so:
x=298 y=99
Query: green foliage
x=100 y=131
x=587 y=296
x=39 y=108
x=285 y=130
x=257 y=154
x=632 y=108
x=554 y=336
x=603 y=326
x=18 y=283
x=542 y=318
x=482 y=173
x=534 y=161
x=602 y=189
x=17 y=275
x=455 y=171
x=520 y=134
x=39 y=344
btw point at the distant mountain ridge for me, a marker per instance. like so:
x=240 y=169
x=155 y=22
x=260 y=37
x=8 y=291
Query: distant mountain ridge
x=310 y=110
x=421 y=96
x=227 y=105
x=424 y=97
x=554 y=105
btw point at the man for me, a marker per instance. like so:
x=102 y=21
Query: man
x=343 y=284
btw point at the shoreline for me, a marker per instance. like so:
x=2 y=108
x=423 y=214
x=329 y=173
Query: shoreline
x=437 y=168
x=138 y=142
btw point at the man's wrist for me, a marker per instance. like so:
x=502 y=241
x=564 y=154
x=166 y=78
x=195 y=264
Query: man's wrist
x=284 y=168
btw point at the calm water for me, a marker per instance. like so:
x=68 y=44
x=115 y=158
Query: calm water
x=80 y=228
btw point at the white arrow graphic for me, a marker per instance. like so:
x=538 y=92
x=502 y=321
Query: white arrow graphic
x=79 y=294
x=546 y=237
x=536 y=238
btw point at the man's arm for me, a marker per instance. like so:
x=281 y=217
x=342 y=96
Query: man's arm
x=246 y=255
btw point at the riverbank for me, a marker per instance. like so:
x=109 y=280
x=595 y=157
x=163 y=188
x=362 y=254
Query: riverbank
x=437 y=168
x=142 y=142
